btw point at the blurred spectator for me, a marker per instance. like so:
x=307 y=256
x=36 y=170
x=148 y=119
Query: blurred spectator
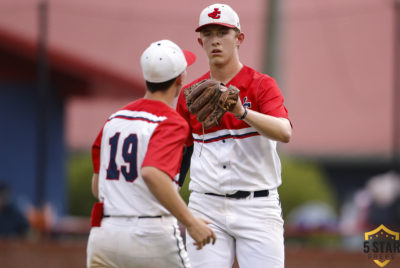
x=375 y=204
x=384 y=208
x=354 y=213
x=313 y=215
x=12 y=222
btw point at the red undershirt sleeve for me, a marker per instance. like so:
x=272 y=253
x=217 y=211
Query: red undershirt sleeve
x=96 y=152
x=166 y=145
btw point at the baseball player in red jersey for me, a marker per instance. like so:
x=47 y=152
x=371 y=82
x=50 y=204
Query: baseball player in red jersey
x=234 y=168
x=136 y=159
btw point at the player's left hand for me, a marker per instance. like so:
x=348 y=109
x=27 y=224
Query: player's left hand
x=209 y=99
x=238 y=110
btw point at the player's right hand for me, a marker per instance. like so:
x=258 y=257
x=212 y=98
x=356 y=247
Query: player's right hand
x=201 y=233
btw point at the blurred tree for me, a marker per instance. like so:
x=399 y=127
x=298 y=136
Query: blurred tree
x=80 y=197
x=303 y=182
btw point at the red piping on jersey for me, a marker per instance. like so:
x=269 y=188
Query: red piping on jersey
x=135 y=118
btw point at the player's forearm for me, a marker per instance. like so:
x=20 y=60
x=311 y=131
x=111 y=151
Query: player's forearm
x=159 y=183
x=275 y=128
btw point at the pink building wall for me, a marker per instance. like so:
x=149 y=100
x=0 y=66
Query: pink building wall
x=335 y=67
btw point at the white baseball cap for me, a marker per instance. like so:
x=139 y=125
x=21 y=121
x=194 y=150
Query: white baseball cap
x=164 y=60
x=220 y=14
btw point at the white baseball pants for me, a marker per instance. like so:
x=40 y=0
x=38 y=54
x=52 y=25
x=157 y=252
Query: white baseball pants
x=132 y=242
x=251 y=227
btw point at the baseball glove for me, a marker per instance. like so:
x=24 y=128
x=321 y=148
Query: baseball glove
x=209 y=100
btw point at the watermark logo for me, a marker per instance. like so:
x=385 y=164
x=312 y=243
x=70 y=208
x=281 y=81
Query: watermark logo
x=381 y=244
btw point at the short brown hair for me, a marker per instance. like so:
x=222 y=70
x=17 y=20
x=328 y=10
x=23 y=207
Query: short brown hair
x=163 y=86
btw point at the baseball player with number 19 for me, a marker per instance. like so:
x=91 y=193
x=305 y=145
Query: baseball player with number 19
x=234 y=166
x=136 y=159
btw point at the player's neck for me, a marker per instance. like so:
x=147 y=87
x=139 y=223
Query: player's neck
x=166 y=97
x=226 y=72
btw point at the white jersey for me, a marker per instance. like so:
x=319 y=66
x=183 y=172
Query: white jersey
x=232 y=160
x=143 y=133
x=234 y=156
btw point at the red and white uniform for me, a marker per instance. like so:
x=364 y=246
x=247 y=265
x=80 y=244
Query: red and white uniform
x=150 y=134
x=235 y=152
x=143 y=133
x=235 y=157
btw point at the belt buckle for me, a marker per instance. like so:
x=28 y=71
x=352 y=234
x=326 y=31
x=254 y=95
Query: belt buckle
x=251 y=195
x=242 y=194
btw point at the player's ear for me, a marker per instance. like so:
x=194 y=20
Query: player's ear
x=200 y=41
x=179 y=83
x=181 y=78
x=240 y=38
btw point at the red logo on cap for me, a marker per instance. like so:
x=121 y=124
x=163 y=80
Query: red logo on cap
x=215 y=14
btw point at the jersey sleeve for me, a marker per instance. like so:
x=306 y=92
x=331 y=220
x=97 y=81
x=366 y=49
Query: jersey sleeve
x=182 y=109
x=166 y=145
x=96 y=152
x=270 y=99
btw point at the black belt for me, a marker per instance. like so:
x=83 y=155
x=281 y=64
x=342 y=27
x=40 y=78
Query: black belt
x=139 y=217
x=242 y=194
